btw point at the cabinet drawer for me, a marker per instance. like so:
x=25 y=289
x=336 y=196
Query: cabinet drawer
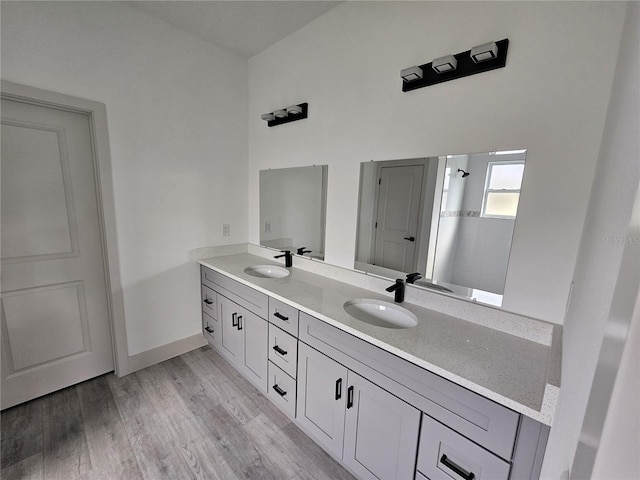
x=211 y=329
x=247 y=297
x=445 y=454
x=283 y=350
x=282 y=390
x=209 y=304
x=284 y=316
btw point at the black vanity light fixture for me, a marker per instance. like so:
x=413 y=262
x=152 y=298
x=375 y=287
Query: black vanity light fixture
x=286 y=115
x=481 y=58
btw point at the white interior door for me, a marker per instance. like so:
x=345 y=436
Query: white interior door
x=55 y=316
x=398 y=217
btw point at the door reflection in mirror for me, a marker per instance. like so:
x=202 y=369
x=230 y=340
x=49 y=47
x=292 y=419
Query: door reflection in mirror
x=293 y=209
x=450 y=218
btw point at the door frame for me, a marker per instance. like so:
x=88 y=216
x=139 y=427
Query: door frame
x=97 y=114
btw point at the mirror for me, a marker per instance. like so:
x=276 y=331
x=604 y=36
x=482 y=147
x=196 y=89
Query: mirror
x=448 y=218
x=292 y=209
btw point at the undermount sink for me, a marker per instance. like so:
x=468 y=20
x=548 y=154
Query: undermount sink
x=266 y=271
x=380 y=313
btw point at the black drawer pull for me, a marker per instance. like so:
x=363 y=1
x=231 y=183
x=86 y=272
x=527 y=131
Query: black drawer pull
x=280 y=391
x=350 y=397
x=279 y=350
x=338 y=388
x=208 y=302
x=234 y=319
x=281 y=317
x=208 y=329
x=460 y=471
x=239 y=322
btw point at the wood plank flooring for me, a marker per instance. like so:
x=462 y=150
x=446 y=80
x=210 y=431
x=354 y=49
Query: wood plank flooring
x=191 y=417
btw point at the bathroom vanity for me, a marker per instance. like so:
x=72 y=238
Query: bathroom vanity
x=446 y=398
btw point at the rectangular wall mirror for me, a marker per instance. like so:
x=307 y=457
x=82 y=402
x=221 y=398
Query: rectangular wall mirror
x=293 y=209
x=450 y=219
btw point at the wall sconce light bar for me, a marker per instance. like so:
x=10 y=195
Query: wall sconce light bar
x=286 y=115
x=466 y=65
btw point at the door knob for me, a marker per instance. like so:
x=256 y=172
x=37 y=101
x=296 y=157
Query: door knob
x=411 y=239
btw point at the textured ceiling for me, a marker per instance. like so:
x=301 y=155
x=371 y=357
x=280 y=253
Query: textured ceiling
x=244 y=28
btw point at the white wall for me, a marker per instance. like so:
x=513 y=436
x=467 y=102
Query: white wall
x=549 y=99
x=176 y=109
x=599 y=257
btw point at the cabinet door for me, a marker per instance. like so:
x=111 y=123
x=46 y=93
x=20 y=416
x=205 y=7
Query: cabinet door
x=255 y=347
x=381 y=432
x=321 y=397
x=232 y=341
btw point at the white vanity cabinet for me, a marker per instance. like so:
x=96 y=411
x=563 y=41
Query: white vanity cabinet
x=395 y=398
x=238 y=331
x=382 y=416
x=373 y=432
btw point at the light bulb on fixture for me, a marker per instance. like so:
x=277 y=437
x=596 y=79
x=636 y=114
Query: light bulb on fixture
x=444 y=64
x=484 y=52
x=411 y=74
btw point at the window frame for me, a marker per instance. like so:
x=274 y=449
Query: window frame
x=487 y=190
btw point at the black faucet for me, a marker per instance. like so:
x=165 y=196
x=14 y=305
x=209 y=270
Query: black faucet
x=398 y=288
x=302 y=251
x=412 y=277
x=288 y=259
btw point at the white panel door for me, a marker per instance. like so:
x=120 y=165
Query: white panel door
x=397 y=222
x=381 y=432
x=55 y=318
x=321 y=397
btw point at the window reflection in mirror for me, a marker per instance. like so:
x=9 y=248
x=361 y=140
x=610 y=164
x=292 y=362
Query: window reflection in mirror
x=449 y=218
x=292 y=209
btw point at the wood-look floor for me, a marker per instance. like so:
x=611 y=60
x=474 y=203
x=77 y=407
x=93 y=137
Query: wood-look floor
x=192 y=416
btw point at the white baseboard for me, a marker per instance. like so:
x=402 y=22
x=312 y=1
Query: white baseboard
x=162 y=353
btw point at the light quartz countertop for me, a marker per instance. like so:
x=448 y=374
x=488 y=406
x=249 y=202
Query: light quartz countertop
x=515 y=372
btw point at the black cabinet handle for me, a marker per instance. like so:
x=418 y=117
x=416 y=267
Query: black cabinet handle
x=411 y=239
x=208 y=302
x=280 y=391
x=239 y=322
x=338 y=388
x=460 y=471
x=279 y=350
x=234 y=319
x=350 y=397
x=208 y=329
x=281 y=317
